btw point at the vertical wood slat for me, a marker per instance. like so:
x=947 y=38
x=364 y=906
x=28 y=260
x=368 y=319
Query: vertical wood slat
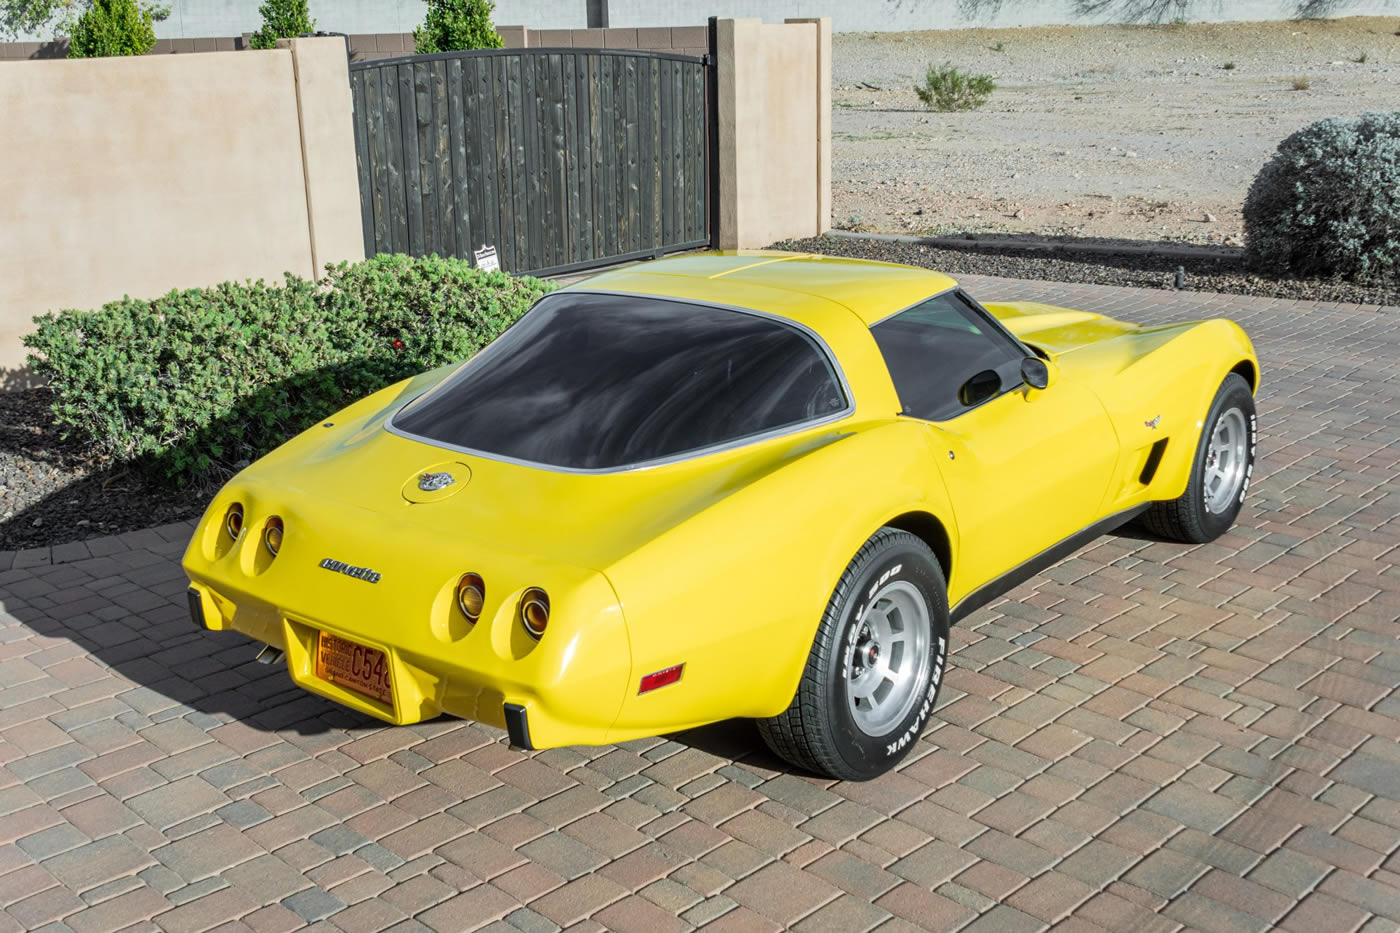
x=665 y=117
x=442 y=162
x=479 y=144
x=520 y=109
x=646 y=154
x=690 y=141
x=393 y=133
x=427 y=173
x=573 y=152
x=633 y=166
x=680 y=178
x=563 y=229
x=463 y=216
x=377 y=239
x=699 y=177
x=595 y=143
x=498 y=181
x=362 y=162
x=537 y=205
x=412 y=176
x=606 y=160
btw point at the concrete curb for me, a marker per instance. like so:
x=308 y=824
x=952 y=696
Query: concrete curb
x=991 y=243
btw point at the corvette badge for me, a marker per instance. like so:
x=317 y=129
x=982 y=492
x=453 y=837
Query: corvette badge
x=432 y=482
x=359 y=573
x=1154 y=422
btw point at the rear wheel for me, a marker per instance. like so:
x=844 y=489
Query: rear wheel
x=875 y=667
x=1220 y=474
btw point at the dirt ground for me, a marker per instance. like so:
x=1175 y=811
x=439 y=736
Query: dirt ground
x=1144 y=133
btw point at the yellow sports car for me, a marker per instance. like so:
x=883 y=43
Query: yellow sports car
x=751 y=484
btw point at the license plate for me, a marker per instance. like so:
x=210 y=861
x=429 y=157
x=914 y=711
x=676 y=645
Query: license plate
x=353 y=666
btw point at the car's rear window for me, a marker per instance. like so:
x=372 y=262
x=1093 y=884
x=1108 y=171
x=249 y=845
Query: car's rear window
x=595 y=382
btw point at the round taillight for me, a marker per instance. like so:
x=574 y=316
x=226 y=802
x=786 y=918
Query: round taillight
x=272 y=535
x=233 y=521
x=534 y=611
x=471 y=595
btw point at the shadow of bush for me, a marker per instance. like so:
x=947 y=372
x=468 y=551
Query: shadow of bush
x=127 y=608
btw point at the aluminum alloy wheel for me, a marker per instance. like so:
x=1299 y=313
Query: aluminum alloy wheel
x=1227 y=459
x=888 y=664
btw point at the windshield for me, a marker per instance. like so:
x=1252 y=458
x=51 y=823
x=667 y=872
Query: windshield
x=595 y=382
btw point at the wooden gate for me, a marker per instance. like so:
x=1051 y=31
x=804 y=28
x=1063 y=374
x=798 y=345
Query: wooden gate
x=561 y=159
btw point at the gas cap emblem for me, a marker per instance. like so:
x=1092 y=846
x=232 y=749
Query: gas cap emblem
x=432 y=482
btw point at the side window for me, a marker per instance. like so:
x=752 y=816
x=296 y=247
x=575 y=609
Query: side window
x=936 y=348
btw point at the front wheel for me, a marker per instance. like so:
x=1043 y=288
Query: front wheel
x=1220 y=474
x=875 y=667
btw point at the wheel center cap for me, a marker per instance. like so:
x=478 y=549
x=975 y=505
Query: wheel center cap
x=872 y=654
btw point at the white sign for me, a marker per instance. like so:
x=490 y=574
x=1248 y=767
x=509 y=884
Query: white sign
x=486 y=259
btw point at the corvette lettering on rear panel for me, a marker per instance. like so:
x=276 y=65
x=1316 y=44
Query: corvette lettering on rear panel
x=359 y=573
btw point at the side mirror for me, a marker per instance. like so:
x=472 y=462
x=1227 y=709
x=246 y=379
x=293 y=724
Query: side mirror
x=979 y=388
x=1035 y=373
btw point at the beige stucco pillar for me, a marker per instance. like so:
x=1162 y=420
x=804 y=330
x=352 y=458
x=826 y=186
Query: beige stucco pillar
x=321 y=74
x=774 y=111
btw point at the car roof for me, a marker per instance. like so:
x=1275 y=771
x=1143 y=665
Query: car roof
x=749 y=278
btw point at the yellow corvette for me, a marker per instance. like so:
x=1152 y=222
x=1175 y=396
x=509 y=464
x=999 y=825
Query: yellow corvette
x=749 y=484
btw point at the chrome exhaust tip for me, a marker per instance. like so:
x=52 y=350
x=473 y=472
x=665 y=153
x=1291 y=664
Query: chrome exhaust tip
x=269 y=655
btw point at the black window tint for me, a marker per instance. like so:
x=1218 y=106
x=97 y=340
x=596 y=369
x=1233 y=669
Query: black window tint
x=933 y=348
x=604 y=381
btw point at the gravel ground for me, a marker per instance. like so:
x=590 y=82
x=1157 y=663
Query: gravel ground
x=1107 y=131
x=51 y=492
x=1216 y=271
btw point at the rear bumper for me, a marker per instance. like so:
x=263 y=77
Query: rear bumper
x=476 y=683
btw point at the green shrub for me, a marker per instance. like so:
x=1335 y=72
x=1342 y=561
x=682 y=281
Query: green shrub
x=115 y=27
x=948 y=88
x=1328 y=203
x=282 y=19
x=195 y=383
x=457 y=24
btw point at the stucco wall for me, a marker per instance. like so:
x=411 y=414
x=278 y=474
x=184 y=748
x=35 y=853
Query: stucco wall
x=138 y=175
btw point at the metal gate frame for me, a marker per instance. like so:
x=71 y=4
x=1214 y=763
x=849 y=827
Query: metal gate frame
x=509 y=165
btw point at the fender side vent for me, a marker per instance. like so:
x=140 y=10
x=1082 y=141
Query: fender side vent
x=1154 y=460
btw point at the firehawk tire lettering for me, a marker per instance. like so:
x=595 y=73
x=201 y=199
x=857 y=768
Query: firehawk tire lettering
x=936 y=676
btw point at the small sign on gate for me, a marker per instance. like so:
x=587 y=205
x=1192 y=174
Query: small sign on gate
x=486 y=259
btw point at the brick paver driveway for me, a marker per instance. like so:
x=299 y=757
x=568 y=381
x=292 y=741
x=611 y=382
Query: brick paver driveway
x=1149 y=736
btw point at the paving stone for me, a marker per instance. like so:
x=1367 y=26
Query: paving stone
x=313 y=904
x=1165 y=873
x=96 y=862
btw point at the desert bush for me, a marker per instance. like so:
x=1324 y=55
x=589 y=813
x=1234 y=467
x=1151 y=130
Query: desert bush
x=194 y=384
x=457 y=24
x=282 y=19
x=947 y=88
x=115 y=27
x=1328 y=203
x=1302 y=83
